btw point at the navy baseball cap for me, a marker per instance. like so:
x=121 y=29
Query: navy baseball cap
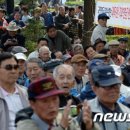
x=94 y=63
x=105 y=76
x=103 y=16
x=124 y=39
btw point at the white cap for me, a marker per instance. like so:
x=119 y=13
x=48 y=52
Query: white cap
x=21 y=56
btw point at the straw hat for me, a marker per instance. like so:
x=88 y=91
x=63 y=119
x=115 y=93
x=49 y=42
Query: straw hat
x=12 y=26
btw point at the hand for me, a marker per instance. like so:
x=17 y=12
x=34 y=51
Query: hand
x=65 y=118
x=8 y=42
x=66 y=26
x=87 y=116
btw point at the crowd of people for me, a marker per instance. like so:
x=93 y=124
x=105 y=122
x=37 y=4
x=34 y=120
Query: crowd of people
x=61 y=85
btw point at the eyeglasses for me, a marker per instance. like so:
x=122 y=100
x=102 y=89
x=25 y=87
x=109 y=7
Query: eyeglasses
x=10 y=67
x=115 y=86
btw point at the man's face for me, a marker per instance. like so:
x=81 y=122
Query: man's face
x=44 y=55
x=123 y=45
x=17 y=16
x=12 y=33
x=44 y=7
x=1 y=14
x=47 y=108
x=103 y=22
x=21 y=64
x=52 y=32
x=80 y=68
x=9 y=76
x=62 y=11
x=108 y=95
x=33 y=71
x=42 y=43
x=99 y=46
x=90 y=53
x=65 y=79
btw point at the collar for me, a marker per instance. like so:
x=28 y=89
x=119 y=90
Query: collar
x=41 y=124
x=107 y=110
x=5 y=93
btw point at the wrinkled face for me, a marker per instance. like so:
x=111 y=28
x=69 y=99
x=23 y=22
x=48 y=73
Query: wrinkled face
x=80 y=68
x=44 y=55
x=33 y=71
x=108 y=95
x=62 y=11
x=123 y=45
x=47 y=108
x=103 y=22
x=90 y=53
x=52 y=32
x=99 y=46
x=65 y=79
x=42 y=43
x=9 y=76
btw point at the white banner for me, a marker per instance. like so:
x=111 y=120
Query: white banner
x=119 y=13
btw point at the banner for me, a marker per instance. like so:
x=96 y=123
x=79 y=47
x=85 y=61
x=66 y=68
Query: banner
x=117 y=10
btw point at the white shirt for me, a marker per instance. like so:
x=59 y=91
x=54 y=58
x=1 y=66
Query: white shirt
x=14 y=105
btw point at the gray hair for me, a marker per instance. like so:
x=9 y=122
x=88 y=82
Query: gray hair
x=35 y=60
x=65 y=66
x=77 y=45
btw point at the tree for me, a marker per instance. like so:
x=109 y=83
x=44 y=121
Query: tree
x=89 y=7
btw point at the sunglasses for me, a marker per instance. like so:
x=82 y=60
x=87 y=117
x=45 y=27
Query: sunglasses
x=10 y=67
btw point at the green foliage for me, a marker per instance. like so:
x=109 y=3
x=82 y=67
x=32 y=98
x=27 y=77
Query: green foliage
x=32 y=32
x=72 y=3
x=2 y=1
x=116 y=37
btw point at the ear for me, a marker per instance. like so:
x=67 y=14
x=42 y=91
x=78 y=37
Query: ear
x=95 y=89
x=32 y=104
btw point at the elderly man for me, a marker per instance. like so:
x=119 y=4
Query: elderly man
x=12 y=37
x=12 y=96
x=79 y=63
x=44 y=100
x=100 y=30
x=44 y=54
x=107 y=88
x=34 y=70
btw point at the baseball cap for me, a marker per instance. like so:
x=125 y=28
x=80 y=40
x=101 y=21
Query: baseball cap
x=43 y=88
x=105 y=76
x=66 y=57
x=94 y=63
x=78 y=58
x=99 y=40
x=113 y=43
x=124 y=39
x=102 y=16
x=17 y=49
x=21 y=56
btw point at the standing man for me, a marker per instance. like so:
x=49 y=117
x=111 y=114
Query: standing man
x=12 y=96
x=100 y=30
